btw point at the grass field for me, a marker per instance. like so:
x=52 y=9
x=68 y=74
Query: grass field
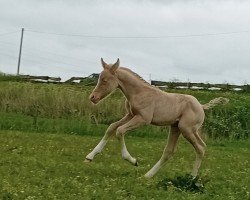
x=46 y=130
x=50 y=166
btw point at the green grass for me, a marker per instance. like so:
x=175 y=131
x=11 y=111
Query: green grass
x=73 y=126
x=66 y=108
x=9 y=77
x=50 y=166
x=46 y=130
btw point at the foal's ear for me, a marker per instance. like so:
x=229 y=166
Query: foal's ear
x=115 y=66
x=104 y=65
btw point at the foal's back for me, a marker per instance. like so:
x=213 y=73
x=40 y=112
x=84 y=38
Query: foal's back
x=171 y=107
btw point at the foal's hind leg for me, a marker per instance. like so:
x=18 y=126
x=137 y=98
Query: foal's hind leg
x=111 y=130
x=191 y=134
x=168 y=151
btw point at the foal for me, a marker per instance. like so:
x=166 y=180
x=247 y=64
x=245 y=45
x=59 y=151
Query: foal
x=146 y=104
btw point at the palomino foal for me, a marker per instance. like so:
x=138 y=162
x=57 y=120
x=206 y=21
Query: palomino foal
x=146 y=104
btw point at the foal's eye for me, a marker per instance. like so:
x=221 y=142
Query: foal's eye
x=105 y=80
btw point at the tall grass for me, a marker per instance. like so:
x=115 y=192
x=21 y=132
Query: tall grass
x=68 y=104
x=57 y=101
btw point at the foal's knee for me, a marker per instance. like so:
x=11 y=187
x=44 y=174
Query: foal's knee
x=120 y=131
x=112 y=128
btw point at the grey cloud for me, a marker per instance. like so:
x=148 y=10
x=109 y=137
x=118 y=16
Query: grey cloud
x=204 y=58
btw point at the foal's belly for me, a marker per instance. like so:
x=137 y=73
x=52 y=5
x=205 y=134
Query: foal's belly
x=165 y=116
x=168 y=109
x=164 y=121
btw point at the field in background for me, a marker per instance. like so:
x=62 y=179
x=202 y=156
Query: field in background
x=65 y=108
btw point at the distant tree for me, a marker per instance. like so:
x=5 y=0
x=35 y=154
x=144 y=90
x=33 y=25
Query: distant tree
x=207 y=85
x=246 y=88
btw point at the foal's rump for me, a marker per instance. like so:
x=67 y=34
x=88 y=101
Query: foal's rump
x=192 y=114
x=171 y=107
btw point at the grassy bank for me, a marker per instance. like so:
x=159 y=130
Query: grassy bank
x=66 y=108
x=72 y=126
x=50 y=166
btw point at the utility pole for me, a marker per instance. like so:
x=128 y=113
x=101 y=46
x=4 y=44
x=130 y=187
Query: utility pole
x=150 y=81
x=20 y=52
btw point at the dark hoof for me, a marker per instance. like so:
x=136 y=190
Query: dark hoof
x=87 y=160
x=136 y=163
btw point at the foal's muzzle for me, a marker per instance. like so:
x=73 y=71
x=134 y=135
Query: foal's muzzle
x=94 y=98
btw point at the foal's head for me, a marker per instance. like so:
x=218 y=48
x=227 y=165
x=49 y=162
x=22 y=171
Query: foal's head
x=107 y=82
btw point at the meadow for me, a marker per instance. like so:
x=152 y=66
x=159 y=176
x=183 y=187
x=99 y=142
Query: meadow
x=50 y=166
x=46 y=130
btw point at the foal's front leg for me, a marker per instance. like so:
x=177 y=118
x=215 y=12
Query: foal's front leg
x=135 y=122
x=111 y=130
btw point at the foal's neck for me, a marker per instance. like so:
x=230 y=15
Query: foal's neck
x=129 y=84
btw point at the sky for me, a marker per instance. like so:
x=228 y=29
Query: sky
x=188 y=40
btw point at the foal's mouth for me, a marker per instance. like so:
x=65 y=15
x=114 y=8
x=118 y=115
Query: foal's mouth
x=95 y=101
x=94 y=98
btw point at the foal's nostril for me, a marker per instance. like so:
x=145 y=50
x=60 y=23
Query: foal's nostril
x=94 y=98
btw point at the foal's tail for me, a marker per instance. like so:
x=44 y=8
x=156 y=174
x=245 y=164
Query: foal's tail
x=214 y=102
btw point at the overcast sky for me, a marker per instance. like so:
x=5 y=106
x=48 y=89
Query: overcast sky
x=179 y=45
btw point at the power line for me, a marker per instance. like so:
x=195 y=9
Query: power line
x=3 y=54
x=65 y=56
x=139 y=37
x=39 y=63
x=13 y=44
x=8 y=33
x=47 y=64
x=53 y=60
x=49 y=52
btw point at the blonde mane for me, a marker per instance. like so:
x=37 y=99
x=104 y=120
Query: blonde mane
x=135 y=75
